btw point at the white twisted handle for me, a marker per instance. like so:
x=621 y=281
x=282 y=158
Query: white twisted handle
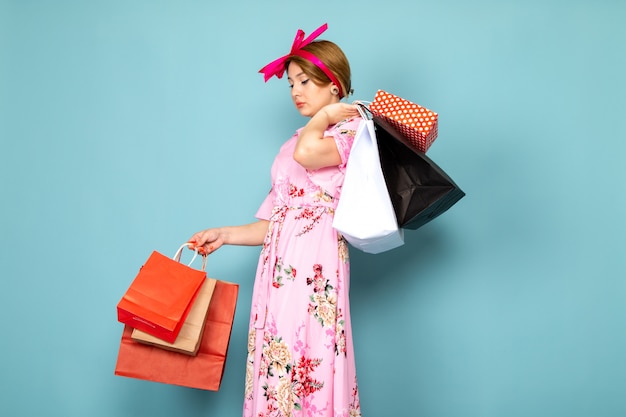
x=180 y=250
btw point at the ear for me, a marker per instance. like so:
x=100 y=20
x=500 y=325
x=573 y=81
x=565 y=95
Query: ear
x=334 y=90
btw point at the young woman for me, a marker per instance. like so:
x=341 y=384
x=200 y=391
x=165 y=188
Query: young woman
x=300 y=355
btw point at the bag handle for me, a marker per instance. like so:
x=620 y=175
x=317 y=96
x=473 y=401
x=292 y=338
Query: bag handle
x=362 y=107
x=195 y=255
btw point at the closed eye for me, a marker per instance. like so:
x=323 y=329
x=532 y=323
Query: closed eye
x=303 y=82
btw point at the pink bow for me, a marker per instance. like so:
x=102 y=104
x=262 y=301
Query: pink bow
x=277 y=67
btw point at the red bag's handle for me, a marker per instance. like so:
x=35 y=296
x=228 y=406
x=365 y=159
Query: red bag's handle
x=180 y=251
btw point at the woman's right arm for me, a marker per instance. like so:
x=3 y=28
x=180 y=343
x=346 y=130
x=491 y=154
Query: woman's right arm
x=313 y=150
x=209 y=240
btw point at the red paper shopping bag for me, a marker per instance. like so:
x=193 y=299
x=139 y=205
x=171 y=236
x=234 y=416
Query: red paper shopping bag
x=160 y=297
x=415 y=123
x=190 y=336
x=203 y=371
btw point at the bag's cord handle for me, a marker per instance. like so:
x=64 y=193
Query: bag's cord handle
x=195 y=255
x=362 y=107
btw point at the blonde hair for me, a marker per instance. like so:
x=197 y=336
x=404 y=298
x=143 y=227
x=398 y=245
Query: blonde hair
x=333 y=57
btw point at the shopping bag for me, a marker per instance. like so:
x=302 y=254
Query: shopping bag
x=160 y=297
x=419 y=189
x=365 y=215
x=417 y=124
x=203 y=371
x=188 y=340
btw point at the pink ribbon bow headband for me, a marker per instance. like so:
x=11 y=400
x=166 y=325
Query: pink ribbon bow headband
x=277 y=67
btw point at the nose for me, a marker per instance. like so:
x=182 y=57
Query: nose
x=295 y=91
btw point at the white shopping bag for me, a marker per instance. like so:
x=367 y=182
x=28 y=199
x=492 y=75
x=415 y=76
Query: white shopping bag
x=365 y=215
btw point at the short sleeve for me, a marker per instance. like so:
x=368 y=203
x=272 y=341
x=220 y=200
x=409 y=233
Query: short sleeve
x=265 y=211
x=343 y=133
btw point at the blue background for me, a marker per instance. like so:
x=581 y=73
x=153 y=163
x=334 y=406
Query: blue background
x=126 y=126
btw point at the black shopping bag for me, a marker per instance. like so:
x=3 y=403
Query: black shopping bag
x=419 y=189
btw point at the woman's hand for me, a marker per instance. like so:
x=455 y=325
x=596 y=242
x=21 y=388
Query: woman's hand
x=206 y=241
x=337 y=112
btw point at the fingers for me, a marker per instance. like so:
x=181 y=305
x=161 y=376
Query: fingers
x=206 y=241
x=337 y=112
x=200 y=238
x=204 y=249
x=210 y=247
x=349 y=109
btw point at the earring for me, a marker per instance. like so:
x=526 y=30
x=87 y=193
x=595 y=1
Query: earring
x=334 y=90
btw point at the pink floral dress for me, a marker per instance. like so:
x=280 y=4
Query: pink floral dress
x=300 y=355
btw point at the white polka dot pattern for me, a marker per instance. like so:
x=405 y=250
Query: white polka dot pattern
x=416 y=123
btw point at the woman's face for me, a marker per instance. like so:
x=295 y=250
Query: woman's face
x=308 y=97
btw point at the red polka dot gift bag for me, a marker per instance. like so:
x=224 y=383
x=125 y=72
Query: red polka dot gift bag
x=415 y=123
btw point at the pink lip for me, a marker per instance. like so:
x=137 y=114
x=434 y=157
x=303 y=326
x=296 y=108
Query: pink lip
x=299 y=104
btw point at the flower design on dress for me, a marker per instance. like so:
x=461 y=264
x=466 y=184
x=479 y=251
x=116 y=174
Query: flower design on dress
x=282 y=190
x=326 y=308
x=343 y=146
x=249 y=385
x=323 y=305
x=276 y=356
x=271 y=394
x=252 y=340
x=346 y=131
x=322 y=195
x=342 y=244
x=280 y=271
x=292 y=388
x=355 y=405
x=284 y=397
x=340 y=335
x=250 y=362
x=273 y=232
x=313 y=215
x=303 y=383
x=295 y=191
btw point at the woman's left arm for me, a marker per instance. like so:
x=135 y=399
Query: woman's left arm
x=313 y=150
